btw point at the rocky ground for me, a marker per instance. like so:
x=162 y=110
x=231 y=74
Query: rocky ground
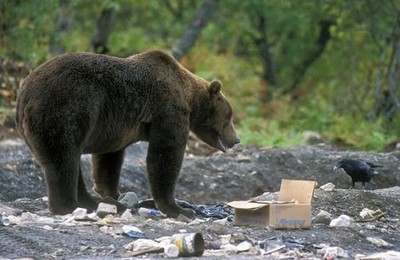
x=208 y=177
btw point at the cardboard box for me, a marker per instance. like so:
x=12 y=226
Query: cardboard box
x=291 y=211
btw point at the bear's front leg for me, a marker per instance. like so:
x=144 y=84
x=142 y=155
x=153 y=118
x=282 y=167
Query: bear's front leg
x=164 y=161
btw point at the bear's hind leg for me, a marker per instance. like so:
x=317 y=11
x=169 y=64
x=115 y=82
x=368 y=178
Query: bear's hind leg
x=61 y=174
x=106 y=172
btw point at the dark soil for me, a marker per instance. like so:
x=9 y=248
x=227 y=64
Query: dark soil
x=207 y=177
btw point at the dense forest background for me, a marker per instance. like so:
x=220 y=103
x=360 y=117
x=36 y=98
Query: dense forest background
x=330 y=67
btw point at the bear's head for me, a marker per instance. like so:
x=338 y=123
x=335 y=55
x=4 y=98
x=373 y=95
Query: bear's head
x=214 y=123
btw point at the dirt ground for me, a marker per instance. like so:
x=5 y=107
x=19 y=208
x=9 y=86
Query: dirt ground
x=208 y=178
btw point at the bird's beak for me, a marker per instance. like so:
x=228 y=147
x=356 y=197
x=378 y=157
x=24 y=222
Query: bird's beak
x=335 y=168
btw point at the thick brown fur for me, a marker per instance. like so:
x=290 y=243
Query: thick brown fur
x=90 y=103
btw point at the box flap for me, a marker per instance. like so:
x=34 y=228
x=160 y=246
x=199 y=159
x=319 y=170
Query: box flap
x=243 y=204
x=299 y=190
x=249 y=204
x=272 y=201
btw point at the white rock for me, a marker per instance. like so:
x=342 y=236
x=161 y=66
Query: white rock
x=379 y=242
x=244 y=246
x=79 y=213
x=128 y=199
x=328 y=187
x=342 y=221
x=104 y=209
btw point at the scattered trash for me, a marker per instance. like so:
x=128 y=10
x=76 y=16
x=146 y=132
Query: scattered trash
x=112 y=230
x=342 y=221
x=127 y=215
x=197 y=221
x=223 y=221
x=144 y=212
x=128 y=199
x=276 y=244
x=133 y=232
x=105 y=208
x=8 y=220
x=370 y=215
x=31 y=217
x=110 y=219
x=291 y=211
x=6 y=210
x=389 y=255
x=79 y=213
x=379 y=242
x=171 y=250
x=189 y=244
x=328 y=187
x=192 y=243
x=218 y=211
x=143 y=246
x=323 y=217
x=333 y=252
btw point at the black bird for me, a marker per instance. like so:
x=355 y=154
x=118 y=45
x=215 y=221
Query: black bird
x=359 y=170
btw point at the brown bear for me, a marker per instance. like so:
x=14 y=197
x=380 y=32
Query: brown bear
x=82 y=103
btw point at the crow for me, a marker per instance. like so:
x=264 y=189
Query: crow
x=359 y=170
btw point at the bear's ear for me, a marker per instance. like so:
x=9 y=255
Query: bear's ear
x=215 y=87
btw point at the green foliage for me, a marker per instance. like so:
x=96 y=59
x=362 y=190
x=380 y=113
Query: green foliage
x=336 y=97
x=25 y=29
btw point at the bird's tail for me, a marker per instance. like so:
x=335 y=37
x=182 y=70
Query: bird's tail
x=374 y=165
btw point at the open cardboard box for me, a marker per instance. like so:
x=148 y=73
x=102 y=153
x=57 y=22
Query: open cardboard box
x=291 y=211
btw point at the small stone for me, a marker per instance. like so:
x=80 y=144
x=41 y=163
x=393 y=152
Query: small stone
x=342 y=221
x=79 y=213
x=238 y=236
x=379 y=242
x=128 y=199
x=244 y=246
x=323 y=217
x=104 y=209
x=328 y=187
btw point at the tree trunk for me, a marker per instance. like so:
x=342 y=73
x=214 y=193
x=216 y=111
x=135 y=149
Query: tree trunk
x=204 y=15
x=103 y=29
x=387 y=102
x=320 y=45
x=269 y=67
x=63 y=24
